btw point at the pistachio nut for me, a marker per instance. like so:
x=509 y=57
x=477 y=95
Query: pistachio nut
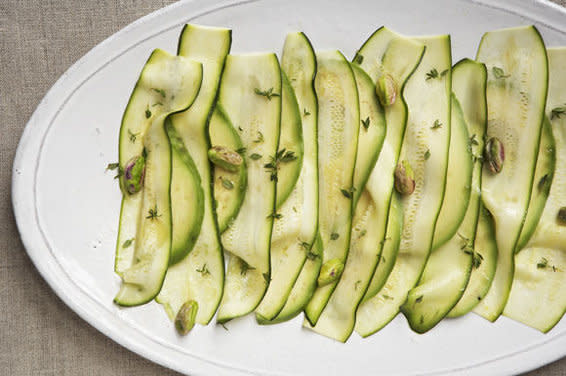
x=494 y=155
x=134 y=172
x=225 y=158
x=331 y=270
x=404 y=178
x=185 y=319
x=386 y=89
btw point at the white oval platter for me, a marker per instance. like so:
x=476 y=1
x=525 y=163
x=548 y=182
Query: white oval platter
x=67 y=206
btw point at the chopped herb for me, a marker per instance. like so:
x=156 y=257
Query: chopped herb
x=275 y=216
x=266 y=93
x=346 y=193
x=334 y=236
x=557 y=112
x=479 y=298
x=432 y=74
x=542 y=182
x=244 y=267
x=357 y=284
x=311 y=255
x=266 y=277
x=386 y=297
x=240 y=129
x=282 y=156
x=305 y=112
x=224 y=326
x=241 y=150
x=295 y=209
x=498 y=73
x=359 y=58
x=132 y=136
x=305 y=245
x=227 y=183
x=365 y=123
x=153 y=214
x=474 y=139
x=477 y=259
x=427 y=154
x=444 y=72
x=437 y=124
x=363 y=233
x=147 y=113
x=259 y=138
x=543 y=263
x=160 y=91
x=562 y=215
x=157 y=104
x=203 y=270
x=419 y=299
x=113 y=166
x=128 y=243
x=255 y=156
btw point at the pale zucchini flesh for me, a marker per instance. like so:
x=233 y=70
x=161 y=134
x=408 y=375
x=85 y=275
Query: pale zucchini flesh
x=338 y=127
x=537 y=296
x=246 y=83
x=426 y=149
x=148 y=217
x=294 y=231
x=229 y=186
x=200 y=275
x=516 y=95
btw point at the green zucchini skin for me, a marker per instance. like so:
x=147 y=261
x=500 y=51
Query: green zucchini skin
x=516 y=96
x=228 y=200
x=426 y=149
x=200 y=275
x=339 y=124
x=146 y=215
x=537 y=296
x=247 y=83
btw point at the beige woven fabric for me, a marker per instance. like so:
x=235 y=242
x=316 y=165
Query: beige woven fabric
x=39 y=335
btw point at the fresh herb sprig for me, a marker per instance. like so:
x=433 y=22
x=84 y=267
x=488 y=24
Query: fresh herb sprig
x=266 y=93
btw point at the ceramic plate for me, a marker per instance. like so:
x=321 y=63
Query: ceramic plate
x=67 y=206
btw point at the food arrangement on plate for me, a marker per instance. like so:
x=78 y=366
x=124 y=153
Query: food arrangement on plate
x=351 y=191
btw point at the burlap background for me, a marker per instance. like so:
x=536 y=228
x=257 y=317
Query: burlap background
x=39 y=335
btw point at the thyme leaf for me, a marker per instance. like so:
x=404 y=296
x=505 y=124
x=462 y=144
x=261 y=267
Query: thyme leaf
x=266 y=93
x=334 y=236
x=557 y=112
x=437 y=124
x=128 y=243
x=203 y=270
x=499 y=73
x=153 y=213
x=227 y=183
x=160 y=91
x=365 y=123
x=255 y=156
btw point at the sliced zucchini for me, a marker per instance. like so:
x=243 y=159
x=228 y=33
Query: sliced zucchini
x=229 y=186
x=303 y=289
x=338 y=317
x=187 y=198
x=372 y=131
x=295 y=229
x=537 y=297
x=426 y=149
x=482 y=275
x=516 y=95
x=339 y=124
x=250 y=92
x=448 y=269
x=290 y=143
x=542 y=181
x=388 y=53
x=146 y=215
x=200 y=275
